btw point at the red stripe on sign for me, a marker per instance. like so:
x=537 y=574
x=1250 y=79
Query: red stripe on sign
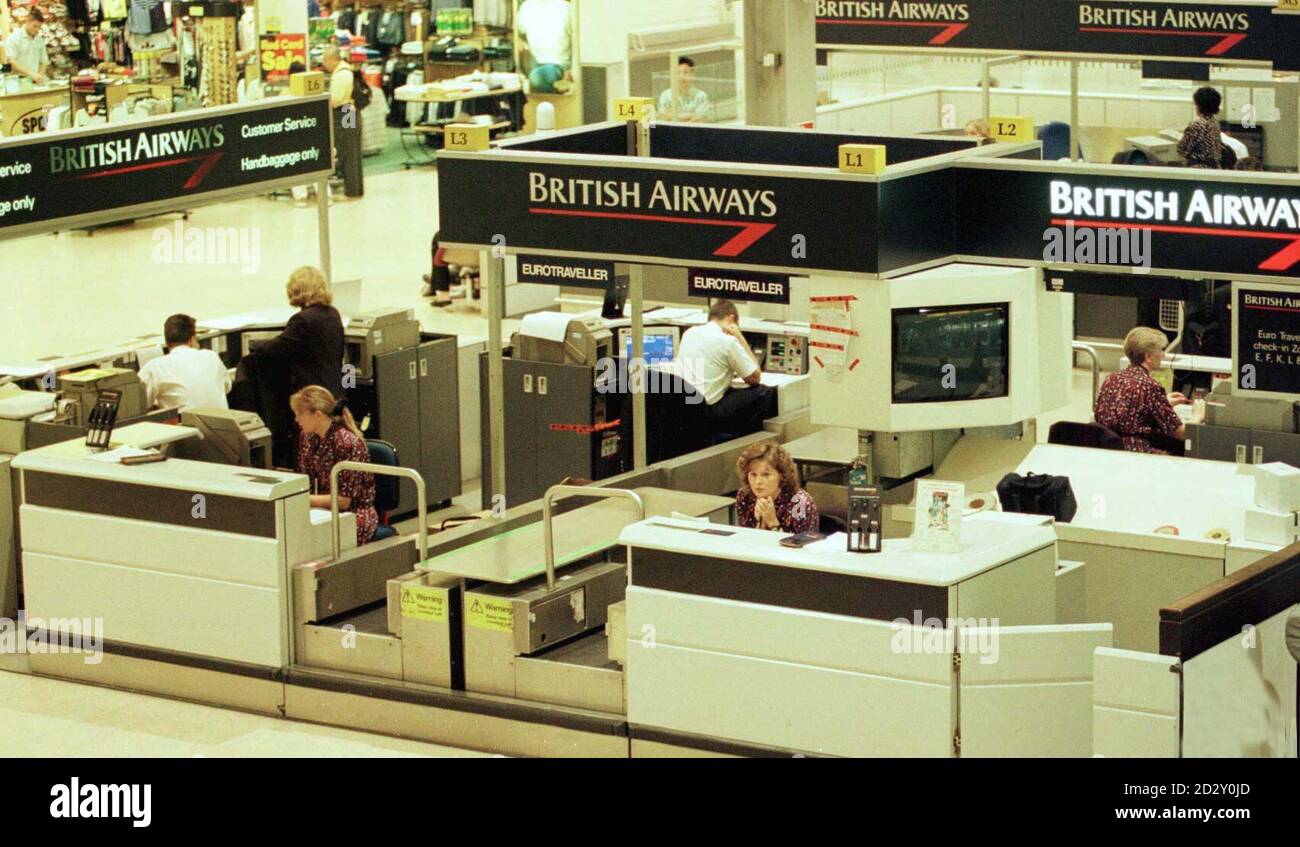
x=856 y=362
x=133 y=168
x=825 y=345
x=819 y=362
x=949 y=30
x=834 y=298
x=209 y=162
x=1271 y=308
x=749 y=233
x=1280 y=261
x=824 y=328
x=1227 y=40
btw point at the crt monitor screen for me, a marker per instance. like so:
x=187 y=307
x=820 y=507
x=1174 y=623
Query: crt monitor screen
x=947 y=353
x=658 y=346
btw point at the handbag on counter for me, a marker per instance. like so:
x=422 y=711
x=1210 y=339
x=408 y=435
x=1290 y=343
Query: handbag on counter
x=1038 y=494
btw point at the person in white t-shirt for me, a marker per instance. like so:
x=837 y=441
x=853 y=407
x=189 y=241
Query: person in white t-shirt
x=188 y=377
x=546 y=29
x=714 y=354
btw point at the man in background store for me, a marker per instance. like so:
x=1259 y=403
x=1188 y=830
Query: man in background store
x=347 y=121
x=187 y=377
x=714 y=354
x=683 y=101
x=25 y=49
x=545 y=30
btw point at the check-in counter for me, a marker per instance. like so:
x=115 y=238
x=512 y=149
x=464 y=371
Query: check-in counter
x=180 y=557
x=735 y=642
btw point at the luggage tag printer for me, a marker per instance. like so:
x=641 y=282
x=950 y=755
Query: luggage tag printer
x=101 y=419
x=864 y=513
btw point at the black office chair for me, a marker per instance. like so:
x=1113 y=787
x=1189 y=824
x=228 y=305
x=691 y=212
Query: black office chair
x=1076 y=434
x=387 y=491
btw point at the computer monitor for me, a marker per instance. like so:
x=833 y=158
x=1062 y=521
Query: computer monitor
x=660 y=344
x=948 y=353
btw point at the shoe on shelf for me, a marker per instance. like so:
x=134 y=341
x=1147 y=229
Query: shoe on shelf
x=457 y=292
x=442 y=303
x=426 y=290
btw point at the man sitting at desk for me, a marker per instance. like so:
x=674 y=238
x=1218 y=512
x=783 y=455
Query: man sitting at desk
x=711 y=356
x=187 y=376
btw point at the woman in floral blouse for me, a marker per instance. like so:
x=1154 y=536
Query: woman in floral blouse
x=1202 y=143
x=329 y=436
x=1132 y=404
x=769 y=495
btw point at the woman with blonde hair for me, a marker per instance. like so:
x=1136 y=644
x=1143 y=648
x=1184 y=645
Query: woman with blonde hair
x=770 y=496
x=308 y=352
x=329 y=436
x=1132 y=404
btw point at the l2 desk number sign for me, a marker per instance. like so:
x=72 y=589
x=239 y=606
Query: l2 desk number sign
x=1223 y=32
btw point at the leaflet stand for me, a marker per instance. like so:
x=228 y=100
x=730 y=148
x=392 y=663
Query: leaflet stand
x=102 y=417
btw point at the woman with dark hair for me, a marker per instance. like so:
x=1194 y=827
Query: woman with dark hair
x=769 y=495
x=1202 y=142
x=329 y=436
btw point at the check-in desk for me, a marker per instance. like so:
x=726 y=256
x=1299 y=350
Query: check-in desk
x=182 y=562
x=1131 y=571
x=737 y=644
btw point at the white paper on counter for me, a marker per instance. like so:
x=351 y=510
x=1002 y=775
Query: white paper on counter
x=118 y=454
x=550 y=326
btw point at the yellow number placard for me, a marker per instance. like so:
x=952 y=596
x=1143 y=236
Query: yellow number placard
x=862 y=158
x=467 y=137
x=306 y=83
x=1019 y=128
x=1290 y=5
x=633 y=108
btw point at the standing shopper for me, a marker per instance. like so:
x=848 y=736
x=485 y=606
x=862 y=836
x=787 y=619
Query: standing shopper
x=347 y=120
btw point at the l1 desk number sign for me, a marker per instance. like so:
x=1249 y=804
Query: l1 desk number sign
x=1268 y=339
x=742 y=285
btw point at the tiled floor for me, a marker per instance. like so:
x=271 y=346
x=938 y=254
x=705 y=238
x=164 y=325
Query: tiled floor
x=47 y=717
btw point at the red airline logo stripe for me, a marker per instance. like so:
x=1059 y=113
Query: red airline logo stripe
x=198 y=176
x=749 y=233
x=1227 y=40
x=950 y=31
x=145 y=167
x=209 y=161
x=1280 y=261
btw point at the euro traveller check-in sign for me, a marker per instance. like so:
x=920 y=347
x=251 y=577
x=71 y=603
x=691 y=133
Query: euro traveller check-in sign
x=1220 y=32
x=52 y=177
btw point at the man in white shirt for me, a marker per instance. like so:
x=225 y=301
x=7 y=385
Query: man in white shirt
x=188 y=377
x=25 y=49
x=347 y=121
x=683 y=101
x=546 y=29
x=714 y=354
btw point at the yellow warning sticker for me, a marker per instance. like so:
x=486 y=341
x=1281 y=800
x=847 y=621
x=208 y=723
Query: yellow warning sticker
x=424 y=603
x=494 y=615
